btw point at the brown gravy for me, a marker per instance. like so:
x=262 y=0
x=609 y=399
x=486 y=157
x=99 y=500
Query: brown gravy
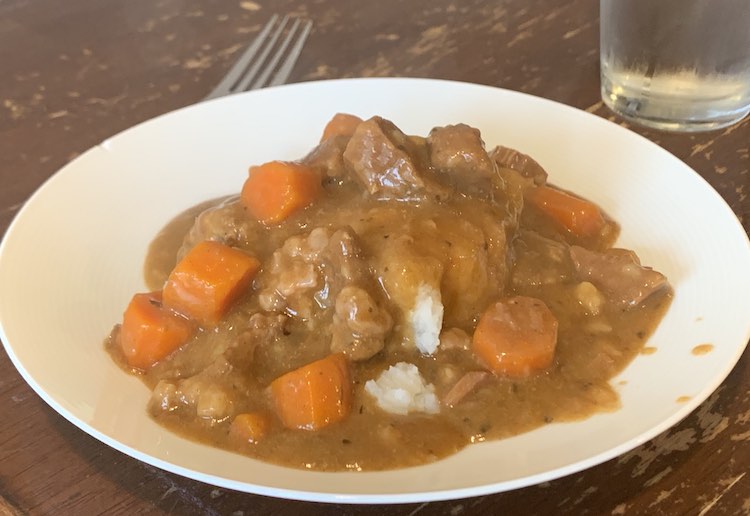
x=591 y=347
x=702 y=349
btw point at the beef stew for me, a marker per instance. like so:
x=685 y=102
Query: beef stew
x=385 y=301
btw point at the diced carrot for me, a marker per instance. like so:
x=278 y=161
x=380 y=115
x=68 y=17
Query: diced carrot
x=150 y=332
x=315 y=395
x=516 y=337
x=275 y=190
x=342 y=124
x=249 y=427
x=205 y=283
x=580 y=217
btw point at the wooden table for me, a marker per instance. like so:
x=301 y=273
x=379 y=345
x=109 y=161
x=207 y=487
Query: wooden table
x=75 y=72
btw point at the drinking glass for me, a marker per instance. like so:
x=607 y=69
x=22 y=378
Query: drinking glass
x=680 y=65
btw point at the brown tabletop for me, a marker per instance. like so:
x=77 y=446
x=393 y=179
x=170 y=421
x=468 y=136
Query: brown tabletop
x=76 y=72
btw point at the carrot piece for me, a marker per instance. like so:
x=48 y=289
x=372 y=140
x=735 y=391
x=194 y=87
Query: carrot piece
x=150 y=332
x=205 y=283
x=516 y=337
x=342 y=124
x=249 y=427
x=580 y=217
x=315 y=395
x=275 y=190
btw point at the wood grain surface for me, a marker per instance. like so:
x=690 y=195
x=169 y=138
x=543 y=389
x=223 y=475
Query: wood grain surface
x=75 y=72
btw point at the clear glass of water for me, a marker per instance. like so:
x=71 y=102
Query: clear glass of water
x=681 y=65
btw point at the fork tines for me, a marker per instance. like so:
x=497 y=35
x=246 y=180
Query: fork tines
x=261 y=64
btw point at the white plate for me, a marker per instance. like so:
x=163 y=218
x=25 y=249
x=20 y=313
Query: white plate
x=73 y=257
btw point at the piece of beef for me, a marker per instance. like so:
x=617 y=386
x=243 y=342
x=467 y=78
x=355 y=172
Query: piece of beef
x=210 y=394
x=328 y=157
x=293 y=276
x=458 y=151
x=385 y=160
x=467 y=384
x=531 y=249
x=307 y=271
x=325 y=271
x=524 y=164
x=618 y=273
x=262 y=330
x=359 y=325
x=227 y=222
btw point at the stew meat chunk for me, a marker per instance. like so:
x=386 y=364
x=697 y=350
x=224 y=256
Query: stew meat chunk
x=385 y=301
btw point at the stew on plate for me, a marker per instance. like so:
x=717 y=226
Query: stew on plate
x=385 y=301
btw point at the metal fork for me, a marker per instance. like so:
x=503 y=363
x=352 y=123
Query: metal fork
x=255 y=66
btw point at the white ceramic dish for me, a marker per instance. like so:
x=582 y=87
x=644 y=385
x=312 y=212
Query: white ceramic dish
x=73 y=256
